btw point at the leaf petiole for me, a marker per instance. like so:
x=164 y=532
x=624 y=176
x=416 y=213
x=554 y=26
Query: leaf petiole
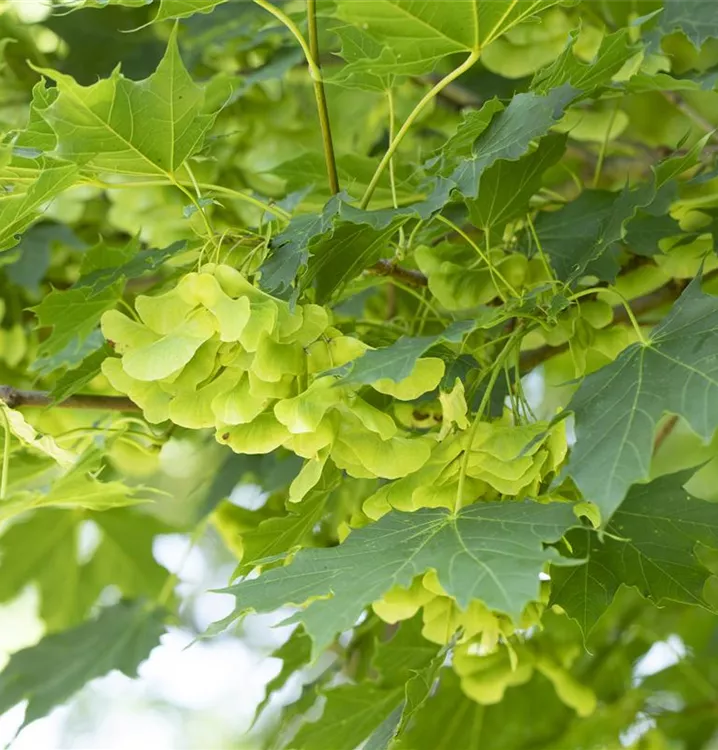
x=483 y=256
x=629 y=312
x=394 y=145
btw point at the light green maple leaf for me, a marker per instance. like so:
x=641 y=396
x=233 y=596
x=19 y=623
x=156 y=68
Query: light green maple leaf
x=184 y=8
x=144 y=128
x=74 y=315
x=618 y=407
x=488 y=551
x=79 y=488
x=415 y=35
x=650 y=544
x=613 y=53
x=26 y=186
x=49 y=673
x=20 y=428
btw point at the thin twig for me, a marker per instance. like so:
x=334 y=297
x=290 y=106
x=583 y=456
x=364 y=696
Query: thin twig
x=664 y=432
x=692 y=114
x=15 y=397
x=407 y=275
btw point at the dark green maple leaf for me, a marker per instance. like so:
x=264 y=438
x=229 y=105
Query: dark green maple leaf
x=103 y=266
x=507 y=137
x=351 y=713
x=614 y=51
x=42 y=550
x=575 y=237
x=347 y=251
x=76 y=379
x=528 y=716
x=507 y=186
x=697 y=19
x=582 y=237
x=405 y=653
x=290 y=249
x=277 y=536
x=650 y=544
x=489 y=551
x=49 y=673
x=618 y=407
x=408 y=666
x=397 y=361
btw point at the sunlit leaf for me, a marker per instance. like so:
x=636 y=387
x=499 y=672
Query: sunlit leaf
x=26 y=186
x=183 y=8
x=97 y=126
x=414 y=36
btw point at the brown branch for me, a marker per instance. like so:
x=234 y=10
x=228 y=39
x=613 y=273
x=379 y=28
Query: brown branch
x=14 y=397
x=407 y=275
x=691 y=113
x=664 y=432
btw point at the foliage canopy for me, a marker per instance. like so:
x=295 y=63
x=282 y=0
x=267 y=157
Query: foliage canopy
x=440 y=278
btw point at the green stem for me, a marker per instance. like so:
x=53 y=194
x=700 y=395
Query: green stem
x=321 y=99
x=544 y=260
x=441 y=318
x=5 y=456
x=604 y=146
x=624 y=302
x=287 y=21
x=198 y=207
x=311 y=53
x=483 y=256
x=392 y=175
x=431 y=94
x=280 y=212
x=497 y=369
